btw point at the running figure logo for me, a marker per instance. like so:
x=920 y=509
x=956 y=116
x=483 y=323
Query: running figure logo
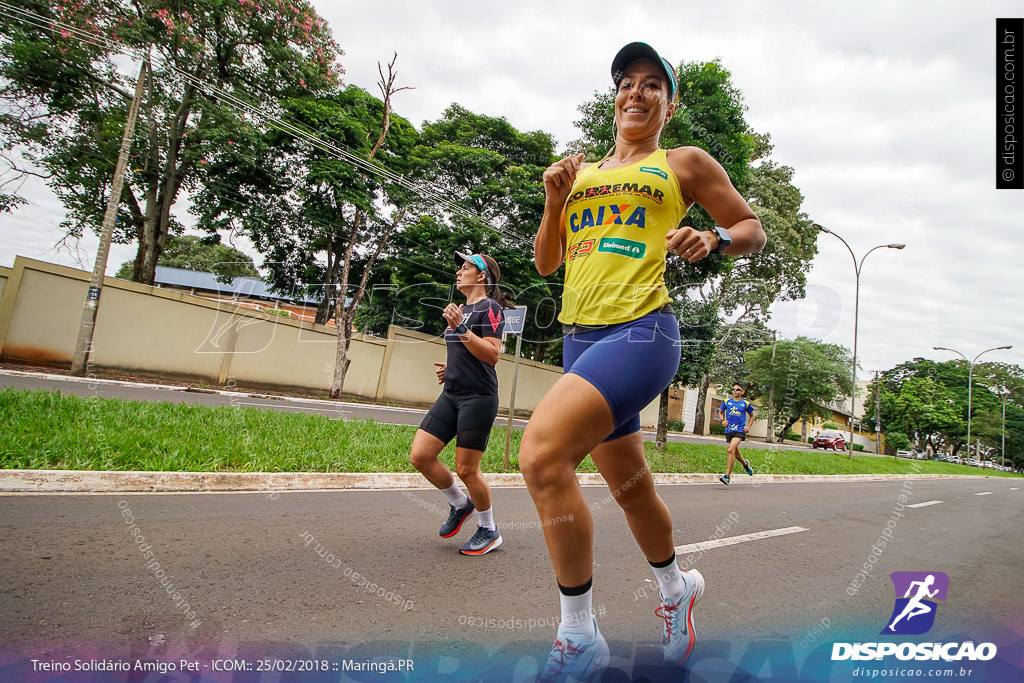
x=914 y=613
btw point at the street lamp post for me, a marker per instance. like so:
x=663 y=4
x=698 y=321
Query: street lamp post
x=856 y=306
x=970 y=377
x=1002 y=450
x=771 y=400
x=878 y=419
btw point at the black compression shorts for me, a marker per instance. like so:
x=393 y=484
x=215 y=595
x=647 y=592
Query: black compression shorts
x=465 y=417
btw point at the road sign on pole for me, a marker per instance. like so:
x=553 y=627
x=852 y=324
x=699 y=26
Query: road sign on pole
x=515 y=320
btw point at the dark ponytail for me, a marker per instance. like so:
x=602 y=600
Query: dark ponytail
x=492 y=276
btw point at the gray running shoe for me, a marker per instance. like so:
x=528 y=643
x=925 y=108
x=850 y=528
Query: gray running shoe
x=455 y=519
x=573 y=660
x=483 y=541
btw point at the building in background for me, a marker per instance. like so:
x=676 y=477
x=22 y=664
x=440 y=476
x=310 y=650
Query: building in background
x=247 y=292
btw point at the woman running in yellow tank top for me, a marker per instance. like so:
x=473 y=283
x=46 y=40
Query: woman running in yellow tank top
x=613 y=224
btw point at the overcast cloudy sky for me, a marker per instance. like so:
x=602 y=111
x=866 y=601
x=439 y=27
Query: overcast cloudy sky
x=886 y=111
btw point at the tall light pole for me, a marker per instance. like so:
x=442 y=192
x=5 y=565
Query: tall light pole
x=1002 y=450
x=970 y=377
x=878 y=419
x=856 y=306
x=771 y=399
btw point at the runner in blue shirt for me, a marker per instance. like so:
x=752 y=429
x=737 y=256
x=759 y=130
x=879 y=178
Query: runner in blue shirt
x=736 y=415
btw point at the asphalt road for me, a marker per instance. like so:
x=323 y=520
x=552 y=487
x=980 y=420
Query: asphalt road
x=331 y=409
x=248 y=566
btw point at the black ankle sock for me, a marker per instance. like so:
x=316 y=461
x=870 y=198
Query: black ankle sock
x=662 y=565
x=578 y=590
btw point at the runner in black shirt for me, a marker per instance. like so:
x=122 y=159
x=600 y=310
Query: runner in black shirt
x=467 y=406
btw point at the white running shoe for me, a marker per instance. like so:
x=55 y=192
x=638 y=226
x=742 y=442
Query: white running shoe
x=679 y=635
x=573 y=660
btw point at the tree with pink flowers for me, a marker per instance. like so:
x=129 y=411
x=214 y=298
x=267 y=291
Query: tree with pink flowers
x=67 y=76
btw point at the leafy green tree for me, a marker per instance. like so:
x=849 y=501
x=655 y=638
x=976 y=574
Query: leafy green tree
x=490 y=174
x=699 y=326
x=310 y=204
x=807 y=375
x=1014 y=427
x=66 y=100
x=926 y=411
x=201 y=254
x=9 y=201
x=999 y=378
x=334 y=193
x=729 y=363
x=896 y=441
x=11 y=179
x=994 y=384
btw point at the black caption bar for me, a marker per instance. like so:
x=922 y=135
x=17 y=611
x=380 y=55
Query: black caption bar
x=1009 y=112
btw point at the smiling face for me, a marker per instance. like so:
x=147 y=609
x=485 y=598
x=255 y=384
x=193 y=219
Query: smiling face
x=642 y=105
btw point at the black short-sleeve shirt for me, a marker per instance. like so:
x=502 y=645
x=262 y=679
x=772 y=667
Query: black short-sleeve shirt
x=465 y=373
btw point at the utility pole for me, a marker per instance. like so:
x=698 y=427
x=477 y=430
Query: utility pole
x=83 y=346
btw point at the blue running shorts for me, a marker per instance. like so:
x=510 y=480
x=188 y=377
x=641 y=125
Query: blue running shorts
x=630 y=363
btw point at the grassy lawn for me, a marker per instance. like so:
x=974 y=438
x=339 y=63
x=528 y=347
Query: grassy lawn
x=50 y=430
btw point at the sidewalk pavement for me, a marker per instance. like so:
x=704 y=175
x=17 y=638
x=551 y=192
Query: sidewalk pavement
x=87 y=481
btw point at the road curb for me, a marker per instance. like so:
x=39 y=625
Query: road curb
x=96 y=381
x=80 y=481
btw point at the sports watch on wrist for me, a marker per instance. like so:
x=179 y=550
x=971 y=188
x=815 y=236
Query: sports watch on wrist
x=461 y=329
x=723 y=240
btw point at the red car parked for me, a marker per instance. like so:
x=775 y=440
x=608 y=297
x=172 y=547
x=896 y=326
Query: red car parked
x=829 y=439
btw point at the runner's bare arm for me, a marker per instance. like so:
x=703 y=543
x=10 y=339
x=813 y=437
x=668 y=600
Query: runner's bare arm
x=703 y=181
x=485 y=349
x=549 y=245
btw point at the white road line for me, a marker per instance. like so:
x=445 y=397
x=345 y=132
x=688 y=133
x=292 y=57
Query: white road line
x=984 y=493
x=732 y=540
x=1014 y=488
x=925 y=504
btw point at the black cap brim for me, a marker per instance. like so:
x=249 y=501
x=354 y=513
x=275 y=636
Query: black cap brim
x=634 y=51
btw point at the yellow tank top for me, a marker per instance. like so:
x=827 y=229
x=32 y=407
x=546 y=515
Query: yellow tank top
x=615 y=226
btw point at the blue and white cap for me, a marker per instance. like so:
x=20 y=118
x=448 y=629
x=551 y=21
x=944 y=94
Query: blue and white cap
x=476 y=259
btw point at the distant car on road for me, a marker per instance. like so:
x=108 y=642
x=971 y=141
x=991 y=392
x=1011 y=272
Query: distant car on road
x=829 y=439
x=912 y=454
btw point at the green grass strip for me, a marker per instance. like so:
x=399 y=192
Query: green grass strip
x=51 y=430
